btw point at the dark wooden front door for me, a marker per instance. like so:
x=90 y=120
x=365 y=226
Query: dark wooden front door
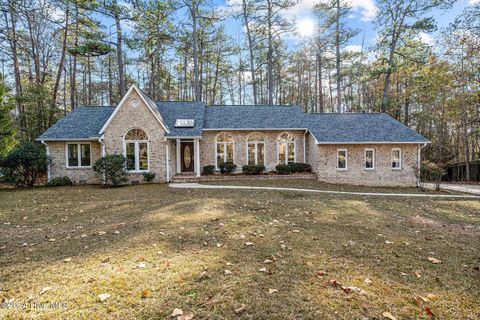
x=187 y=158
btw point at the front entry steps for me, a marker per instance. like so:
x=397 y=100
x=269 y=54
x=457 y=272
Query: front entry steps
x=185 y=178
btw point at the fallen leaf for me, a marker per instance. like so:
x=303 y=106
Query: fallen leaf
x=429 y=312
x=368 y=281
x=266 y=261
x=185 y=316
x=45 y=289
x=434 y=260
x=388 y=315
x=249 y=244
x=141 y=265
x=388 y=242
x=271 y=291
x=146 y=293
x=104 y=296
x=418 y=274
x=263 y=270
x=176 y=312
x=140 y=259
x=240 y=309
x=432 y=297
x=67 y=260
x=227 y=272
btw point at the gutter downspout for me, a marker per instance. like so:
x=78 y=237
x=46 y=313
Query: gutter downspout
x=305 y=146
x=48 y=155
x=168 y=159
x=104 y=152
x=418 y=163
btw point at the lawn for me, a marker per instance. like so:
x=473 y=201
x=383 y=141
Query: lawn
x=231 y=254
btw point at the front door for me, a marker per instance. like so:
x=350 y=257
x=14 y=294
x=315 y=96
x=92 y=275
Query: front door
x=186 y=152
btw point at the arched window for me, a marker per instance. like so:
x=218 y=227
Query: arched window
x=224 y=148
x=135 y=146
x=256 y=149
x=286 y=148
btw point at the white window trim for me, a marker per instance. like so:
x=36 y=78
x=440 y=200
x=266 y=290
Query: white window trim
x=256 y=143
x=286 y=147
x=136 y=153
x=79 y=152
x=373 y=159
x=400 y=159
x=346 y=160
x=225 y=150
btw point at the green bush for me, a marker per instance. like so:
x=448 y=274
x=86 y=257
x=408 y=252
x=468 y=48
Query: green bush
x=300 y=167
x=283 y=169
x=111 y=169
x=24 y=163
x=60 y=181
x=227 y=167
x=209 y=169
x=430 y=171
x=253 y=169
x=148 y=176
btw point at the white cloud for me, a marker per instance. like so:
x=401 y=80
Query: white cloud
x=353 y=48
x=473 y=1
x=426 y=38
x=367 y=8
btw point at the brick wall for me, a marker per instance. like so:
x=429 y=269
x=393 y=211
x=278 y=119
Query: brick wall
x=58 y=168
x=208 y=147
x=140 y=117
x=356 y=174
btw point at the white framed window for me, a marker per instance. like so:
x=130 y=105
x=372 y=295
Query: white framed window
x=342 y=159
x=286 y=148
x=397 y=159
x=78 y=155
x=135 y=148
x=369 y=159
x=256 y=149
x=223 y=148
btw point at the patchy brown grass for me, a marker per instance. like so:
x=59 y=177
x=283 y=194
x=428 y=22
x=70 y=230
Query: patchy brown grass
x=179 y=233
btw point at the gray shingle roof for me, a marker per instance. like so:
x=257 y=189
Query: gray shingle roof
x=81 y=123
x=359 y=127
x=253 y=117
x=173 y=110
x=86 y=122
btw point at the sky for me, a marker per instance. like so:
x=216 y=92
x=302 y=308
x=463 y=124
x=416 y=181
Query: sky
x=361 y=17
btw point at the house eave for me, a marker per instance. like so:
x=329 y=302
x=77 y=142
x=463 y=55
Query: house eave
x=372 y=142
x=68 y=139
x=253 y=129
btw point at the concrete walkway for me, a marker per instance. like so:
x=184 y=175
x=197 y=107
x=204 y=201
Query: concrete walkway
x=418 y=195
x=467 y=188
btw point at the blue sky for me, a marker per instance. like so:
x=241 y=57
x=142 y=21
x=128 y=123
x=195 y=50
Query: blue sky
x=362 y=14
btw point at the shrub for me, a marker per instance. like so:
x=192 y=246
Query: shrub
x=148 y=176
x=430 y=171
x=227 y=167
x=253 y=169
x=111 y=169
x=282 y=168
x=60 y=181
x=24 y=163
x=300 y=167
x=209 y=169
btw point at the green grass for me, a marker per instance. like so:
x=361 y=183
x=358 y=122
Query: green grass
x=180 y=233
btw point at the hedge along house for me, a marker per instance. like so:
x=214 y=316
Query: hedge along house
x=172 y=138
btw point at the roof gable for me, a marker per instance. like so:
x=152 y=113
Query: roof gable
x=146 y=100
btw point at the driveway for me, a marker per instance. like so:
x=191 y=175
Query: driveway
x=423 y=195
x=467 y=188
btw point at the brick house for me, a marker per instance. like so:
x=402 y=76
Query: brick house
x=170 y=138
